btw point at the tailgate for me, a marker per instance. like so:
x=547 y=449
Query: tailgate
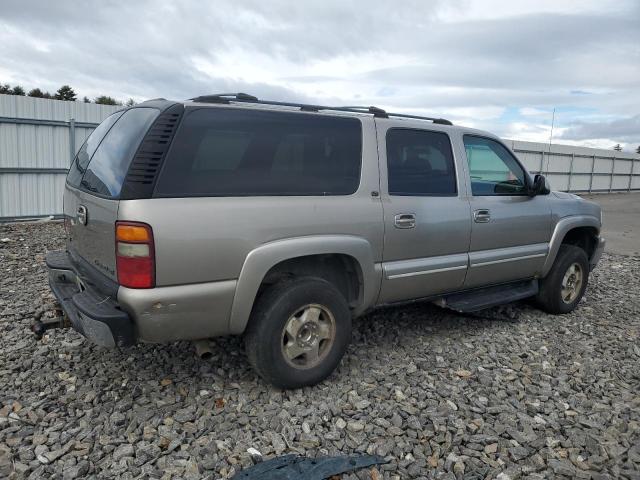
x=95 y=240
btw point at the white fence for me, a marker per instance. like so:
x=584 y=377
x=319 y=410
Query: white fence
x=39 y=137
x=580 y=169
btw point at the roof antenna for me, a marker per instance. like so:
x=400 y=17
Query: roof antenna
x=553 y=118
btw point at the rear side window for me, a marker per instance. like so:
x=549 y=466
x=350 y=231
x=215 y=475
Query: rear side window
x=225 y=152
x=108 y=167
x=79 y=165
x=420 y=163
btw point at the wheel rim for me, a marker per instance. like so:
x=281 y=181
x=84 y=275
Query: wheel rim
x=572 y=283
x=308 y=336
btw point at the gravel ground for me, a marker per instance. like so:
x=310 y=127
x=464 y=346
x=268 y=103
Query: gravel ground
x=441 y=395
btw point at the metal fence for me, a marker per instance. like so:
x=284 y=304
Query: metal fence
x=580 y=169
x=40 y=137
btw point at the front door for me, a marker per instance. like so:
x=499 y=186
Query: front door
x=510 y=230
x=426 y=214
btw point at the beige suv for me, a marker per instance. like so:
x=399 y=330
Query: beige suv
x=226 y=215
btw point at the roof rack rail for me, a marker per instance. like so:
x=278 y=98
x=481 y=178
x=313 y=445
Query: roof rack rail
x=225 y=98
x=246 y=98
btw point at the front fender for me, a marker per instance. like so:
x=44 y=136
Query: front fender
x=260 y=260
x=563 y=226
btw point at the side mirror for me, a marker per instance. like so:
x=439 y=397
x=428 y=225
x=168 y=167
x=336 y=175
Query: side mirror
x=540 y=186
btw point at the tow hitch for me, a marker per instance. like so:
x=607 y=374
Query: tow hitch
x=39 y=327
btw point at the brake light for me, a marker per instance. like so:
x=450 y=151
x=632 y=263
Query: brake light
x=135 y=255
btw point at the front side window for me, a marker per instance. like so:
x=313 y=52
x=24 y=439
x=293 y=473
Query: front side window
x=110 y=163
x=79 y=164
x=493 y=170
x=242 y=152
x=420 y=163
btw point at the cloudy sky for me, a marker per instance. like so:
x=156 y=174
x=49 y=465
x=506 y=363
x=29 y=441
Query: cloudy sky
x=500 y=65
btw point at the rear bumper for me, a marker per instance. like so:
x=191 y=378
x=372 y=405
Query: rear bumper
x=595 y=258
x=92 y=313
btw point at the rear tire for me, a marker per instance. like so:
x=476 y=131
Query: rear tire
x=562 y=289
x=298 y=332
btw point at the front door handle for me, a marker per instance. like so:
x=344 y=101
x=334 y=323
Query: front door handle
x=482 y=216
x=405 y=220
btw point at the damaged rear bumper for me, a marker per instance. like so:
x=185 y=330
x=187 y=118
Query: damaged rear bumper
x=95 y=315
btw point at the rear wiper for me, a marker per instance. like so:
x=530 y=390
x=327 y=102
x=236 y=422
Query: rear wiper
x=86 y=185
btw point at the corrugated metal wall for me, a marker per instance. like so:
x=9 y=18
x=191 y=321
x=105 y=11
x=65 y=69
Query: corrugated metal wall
x=36 y=145
x=580 y=169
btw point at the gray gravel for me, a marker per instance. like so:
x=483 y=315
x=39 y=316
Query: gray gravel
x=439 y=394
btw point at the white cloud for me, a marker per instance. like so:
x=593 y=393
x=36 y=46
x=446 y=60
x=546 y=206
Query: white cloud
x=532 y=112
x=495 y=64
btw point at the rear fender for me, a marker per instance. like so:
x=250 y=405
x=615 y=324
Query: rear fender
x=263 y=258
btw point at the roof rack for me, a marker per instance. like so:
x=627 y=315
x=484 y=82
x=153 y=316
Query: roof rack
x=246 y=98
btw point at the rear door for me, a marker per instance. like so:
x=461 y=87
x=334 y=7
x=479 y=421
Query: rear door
x=426 y=212
x=93 y=186
x=510 y=230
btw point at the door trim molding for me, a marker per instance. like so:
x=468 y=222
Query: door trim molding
x=503 y=260
x=424 y=266
x=425 y=272
x=484 y=258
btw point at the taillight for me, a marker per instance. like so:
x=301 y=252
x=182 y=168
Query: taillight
x=135 y=256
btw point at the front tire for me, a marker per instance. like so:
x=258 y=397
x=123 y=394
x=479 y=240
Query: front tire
x=562 y=289
x=298 y=332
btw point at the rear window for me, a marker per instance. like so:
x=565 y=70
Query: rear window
x=79 y=165
x=110 y=162
x=225 y=152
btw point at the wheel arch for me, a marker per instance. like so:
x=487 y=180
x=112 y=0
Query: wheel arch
x=579 y=230
x=304 y=254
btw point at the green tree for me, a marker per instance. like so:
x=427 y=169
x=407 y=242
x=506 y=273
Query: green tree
x=6 y=89
x=617 y=148
x=638 y=150
x=17 y=90
x=65 y=92
x=86 y=100
x=105 y=100
x=36 y=92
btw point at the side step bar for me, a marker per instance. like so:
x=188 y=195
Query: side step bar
x=488 y=297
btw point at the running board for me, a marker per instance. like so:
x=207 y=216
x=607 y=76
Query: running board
x=488 y=297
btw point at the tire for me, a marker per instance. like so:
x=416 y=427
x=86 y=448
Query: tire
x=553 y=296
x=294 y=316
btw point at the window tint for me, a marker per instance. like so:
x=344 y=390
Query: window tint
x=225 y=152
x=420 y=162
x=493 y=170
x=79 y=164
x=110 y=163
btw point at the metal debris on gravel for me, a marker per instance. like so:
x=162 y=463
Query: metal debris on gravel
x=438 y=394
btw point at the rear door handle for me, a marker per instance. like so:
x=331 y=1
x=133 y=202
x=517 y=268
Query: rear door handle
x=482 y=216
x=405 y=220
